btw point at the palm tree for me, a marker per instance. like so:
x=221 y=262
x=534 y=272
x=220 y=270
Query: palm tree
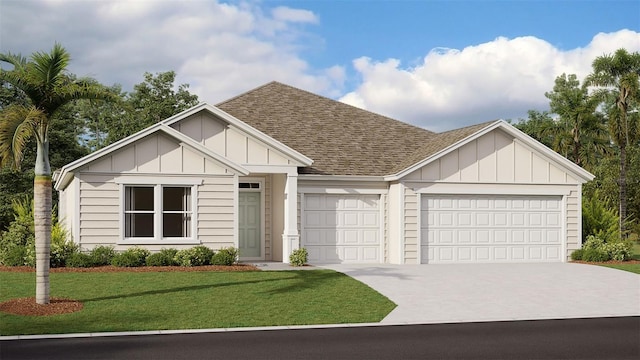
x=580 y=133
x=620 y=71
x=44 y=80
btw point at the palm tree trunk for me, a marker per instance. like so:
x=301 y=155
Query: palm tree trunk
x=42 y=219
x=623 y=190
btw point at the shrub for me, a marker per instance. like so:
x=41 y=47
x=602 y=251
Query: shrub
x=593 y=242
x=576 y=255
x=595 y=255
x=132 y=257
x=166 y=257
x=599 y=220
x=298 y=257
x=79 y=260
x=196 y=256
x=102 y=255
x=61 y=247
x=14 y=256
x=225 y=256
x=619 y=251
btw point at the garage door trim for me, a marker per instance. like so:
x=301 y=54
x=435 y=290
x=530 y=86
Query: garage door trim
x=562 y=210
x=380 y=197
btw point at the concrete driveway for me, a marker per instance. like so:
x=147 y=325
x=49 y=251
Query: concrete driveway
x=499 y=292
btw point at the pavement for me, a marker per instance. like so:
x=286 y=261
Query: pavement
x=499 y=292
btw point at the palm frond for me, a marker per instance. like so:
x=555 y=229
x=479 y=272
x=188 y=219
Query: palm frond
x=17 y=124
x=50 y=67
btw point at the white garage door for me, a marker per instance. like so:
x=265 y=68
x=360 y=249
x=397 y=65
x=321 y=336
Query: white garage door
x=481 y=228
x=341 y=228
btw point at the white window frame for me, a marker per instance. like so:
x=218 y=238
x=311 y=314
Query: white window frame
x=158 y=184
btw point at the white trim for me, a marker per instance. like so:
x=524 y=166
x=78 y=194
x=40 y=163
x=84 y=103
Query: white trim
x=158 y=238
x=564 y=229
x=76 y=213
x=419 y=226
x=272 y=169
x=261 y=190
x=345 y=191
x=490 y=189
x=401 y=216
x=158 y=180
x=341 y=178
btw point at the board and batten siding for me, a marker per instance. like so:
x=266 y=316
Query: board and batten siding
x=490 y=164
x=411 y=227
x=495 y=157
x=228 y=141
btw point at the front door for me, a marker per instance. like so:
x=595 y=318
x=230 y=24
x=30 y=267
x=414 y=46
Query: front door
x=250 y=236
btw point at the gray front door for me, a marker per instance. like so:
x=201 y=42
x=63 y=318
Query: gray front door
x=249 y=225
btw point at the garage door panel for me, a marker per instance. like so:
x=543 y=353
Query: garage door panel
x=485 y=228
x=342 y=228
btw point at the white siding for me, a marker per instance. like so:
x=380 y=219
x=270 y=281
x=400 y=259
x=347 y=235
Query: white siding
x=230 y=142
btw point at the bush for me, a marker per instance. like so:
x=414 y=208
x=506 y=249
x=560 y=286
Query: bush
x=298 y=257
x=598 y=220
x=102 y=255
x=225 y=256
x=595 y=255
x=576 y=255
x=79 y=260
x=61 y=247
x=619 y=251
x=196 y=256
x=14 y=256
x=166 y=257
x=593 y=242
x=132 y=257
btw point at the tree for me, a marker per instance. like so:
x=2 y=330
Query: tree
x=45 y=82
x=540 y=126
x=617 y=76
x=151 y=101
x=579 y=134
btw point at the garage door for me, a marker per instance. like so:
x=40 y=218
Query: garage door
x=470 y=229
x=341 y=228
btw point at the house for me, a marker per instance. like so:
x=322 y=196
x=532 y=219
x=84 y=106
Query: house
x=278 y=168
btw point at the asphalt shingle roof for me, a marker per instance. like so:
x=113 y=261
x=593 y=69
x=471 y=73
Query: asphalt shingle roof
x=341 y=139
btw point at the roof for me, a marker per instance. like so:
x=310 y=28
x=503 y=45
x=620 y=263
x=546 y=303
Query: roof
x=326 y=130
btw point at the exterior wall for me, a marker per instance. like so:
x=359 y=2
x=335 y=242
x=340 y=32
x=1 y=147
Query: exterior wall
x=495 y=163
x=395 y=225
x=100 y=217
x=411 y=227
x=573 y=222
x=155 y=154
x=495 y=157
x=277 y=215
x=230 y=142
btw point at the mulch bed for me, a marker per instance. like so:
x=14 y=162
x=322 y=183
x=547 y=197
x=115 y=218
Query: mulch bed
x=28 y=306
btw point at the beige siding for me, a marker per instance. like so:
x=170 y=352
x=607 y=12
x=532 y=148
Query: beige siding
x=384 y=200
x=99 y=222
x=267 y=218
x=228 y=141
x=573 y=221
x=216 y=207
x=493 y=158
x=156 y=154
x=410 y=227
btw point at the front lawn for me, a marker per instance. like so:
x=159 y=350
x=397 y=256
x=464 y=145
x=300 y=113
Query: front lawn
x=129 y=301
x=633 y=267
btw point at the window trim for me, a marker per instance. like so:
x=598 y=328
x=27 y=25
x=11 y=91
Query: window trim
x=158 y=238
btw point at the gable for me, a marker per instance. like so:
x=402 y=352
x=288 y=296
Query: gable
x=157 y=153
x=231 y=142
x=494 y=157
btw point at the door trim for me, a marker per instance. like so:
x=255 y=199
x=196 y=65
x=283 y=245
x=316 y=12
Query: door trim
x=260 y=190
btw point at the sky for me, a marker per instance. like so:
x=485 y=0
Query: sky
x=435 y=64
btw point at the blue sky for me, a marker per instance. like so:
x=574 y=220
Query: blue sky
x=436 y=64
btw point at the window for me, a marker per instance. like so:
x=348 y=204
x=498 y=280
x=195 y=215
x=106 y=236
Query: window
x=157 y=212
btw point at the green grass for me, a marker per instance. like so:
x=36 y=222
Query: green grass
x=130 y=301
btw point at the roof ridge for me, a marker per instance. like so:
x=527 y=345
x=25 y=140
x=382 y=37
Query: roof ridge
x=432 y=133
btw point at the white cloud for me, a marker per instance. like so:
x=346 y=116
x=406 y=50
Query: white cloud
x=498 y=79
x=220 y=49
x=284 y=13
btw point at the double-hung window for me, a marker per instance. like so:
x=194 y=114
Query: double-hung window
x=158 y=213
